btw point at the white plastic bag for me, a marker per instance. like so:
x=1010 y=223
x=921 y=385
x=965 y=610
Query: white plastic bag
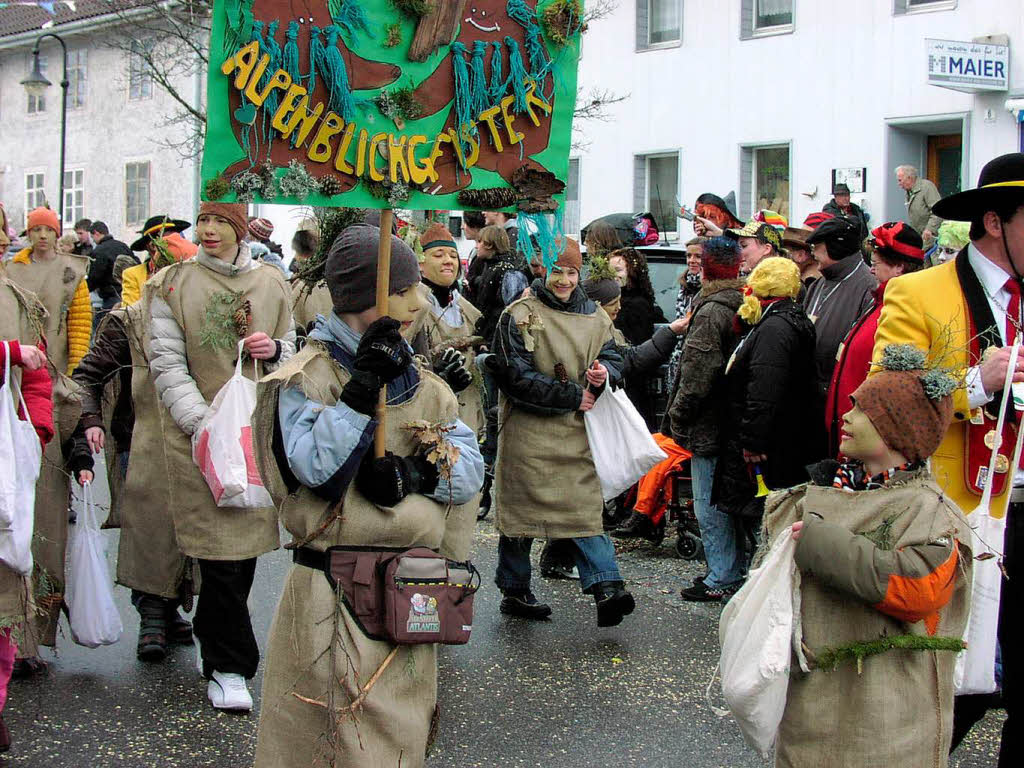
x=759 y=630
x=21 y=453
x=222 y=447
x=90 y=589
x=620 y=442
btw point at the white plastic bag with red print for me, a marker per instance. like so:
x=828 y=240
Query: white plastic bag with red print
x=222 y=447
x=20 y=456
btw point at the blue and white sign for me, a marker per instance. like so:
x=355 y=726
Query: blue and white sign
x=968 y=67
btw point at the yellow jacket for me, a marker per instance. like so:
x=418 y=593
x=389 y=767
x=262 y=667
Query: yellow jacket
x=132 y=280
x=928 y=309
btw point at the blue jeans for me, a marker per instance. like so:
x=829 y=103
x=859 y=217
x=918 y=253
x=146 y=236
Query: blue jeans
x=594 y=555
x=717 y=529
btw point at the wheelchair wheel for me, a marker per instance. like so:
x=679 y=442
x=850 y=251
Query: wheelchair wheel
x=689 y=546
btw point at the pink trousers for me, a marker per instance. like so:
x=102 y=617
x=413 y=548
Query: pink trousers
x=7 y=651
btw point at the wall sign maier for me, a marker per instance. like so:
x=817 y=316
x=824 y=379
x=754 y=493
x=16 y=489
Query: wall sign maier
x=968 y=67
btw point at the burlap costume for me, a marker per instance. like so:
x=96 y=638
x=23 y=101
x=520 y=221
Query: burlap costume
x=148 y=557
x=540 y=492
x=877 y=716
x=308 y=302
x=203 y=529
x=308 y=650
x=21 y=318
x=54 y=281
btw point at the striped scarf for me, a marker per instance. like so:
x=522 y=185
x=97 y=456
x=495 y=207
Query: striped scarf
x=852 y=476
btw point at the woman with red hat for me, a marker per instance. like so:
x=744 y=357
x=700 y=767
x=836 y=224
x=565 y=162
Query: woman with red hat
x=896 y=249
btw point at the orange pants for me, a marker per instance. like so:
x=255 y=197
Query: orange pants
x=650 y=497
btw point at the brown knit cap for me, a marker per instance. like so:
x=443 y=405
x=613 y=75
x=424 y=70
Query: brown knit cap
x=906 y=419
x=236 y=215
x=437 y=236
x=571 y=256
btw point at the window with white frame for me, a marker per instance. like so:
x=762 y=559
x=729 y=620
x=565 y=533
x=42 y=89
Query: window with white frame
x=37 y=102
x=74 y=196
x=901 y=7
x=764 y=182
x=571 y=219
x=136 y=192
x=659 y=23
x=35 y=194
x=765 y=17
x=656 y=188
x=140 y=76
x=77 y=61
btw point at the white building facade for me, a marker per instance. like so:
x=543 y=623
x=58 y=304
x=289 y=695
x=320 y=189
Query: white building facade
x=773 y=99
x=118 y=167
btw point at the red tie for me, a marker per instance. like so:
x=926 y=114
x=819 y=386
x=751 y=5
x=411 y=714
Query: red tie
x=1012 y=311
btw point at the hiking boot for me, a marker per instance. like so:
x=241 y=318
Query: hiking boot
x=636 y=526
x=179 y=629
x=655 y=532
x=227 y=690
x=613 y=602
x=152 y=644
x=5 y=736
x=524 y=605
x=30 y=666
x=700 y=592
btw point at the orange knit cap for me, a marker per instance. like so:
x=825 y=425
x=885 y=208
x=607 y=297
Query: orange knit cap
x=437 y=236
x=43 y=217
x=570 y=256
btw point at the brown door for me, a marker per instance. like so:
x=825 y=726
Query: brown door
x=945 y=154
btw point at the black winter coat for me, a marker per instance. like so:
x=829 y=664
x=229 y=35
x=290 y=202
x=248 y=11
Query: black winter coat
x=774 y=407
x=108 y=357
x=487 y=296
x=855 y=215
x=638 y=316
x=100 y=277
x=522 y=383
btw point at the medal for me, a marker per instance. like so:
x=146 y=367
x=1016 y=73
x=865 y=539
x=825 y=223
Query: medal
x=1002 y=464
x=991 y=438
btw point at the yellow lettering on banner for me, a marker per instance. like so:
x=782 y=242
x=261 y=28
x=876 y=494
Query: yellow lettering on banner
x=514 y=136
x=435 y=154
x=361 y=153
x=375 y=174
x=340 y=161
x=250 y=89
x=532 y=100
x=279 y=79
x=418 y=173
x=243 y=61
x=487 y=116
x=304 y=120
x=320 y=149
x=474 y=145
x=286 y=107
x=396 y=158
x=458 y=147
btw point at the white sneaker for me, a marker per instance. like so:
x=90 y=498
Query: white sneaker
x=227 y=690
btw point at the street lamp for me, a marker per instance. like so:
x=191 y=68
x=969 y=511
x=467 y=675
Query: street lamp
x=36 y=85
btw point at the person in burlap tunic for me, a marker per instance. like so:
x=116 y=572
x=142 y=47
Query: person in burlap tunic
x=314 y=423
x=21 y=325
x=58 y=281
x=883 y=554
x=199 y=310
x=554 y=352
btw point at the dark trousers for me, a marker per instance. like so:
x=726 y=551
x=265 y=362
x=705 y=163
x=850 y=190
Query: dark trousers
x=222 y=624
x=970 y=709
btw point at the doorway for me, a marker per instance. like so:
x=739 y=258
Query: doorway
x=945 y=157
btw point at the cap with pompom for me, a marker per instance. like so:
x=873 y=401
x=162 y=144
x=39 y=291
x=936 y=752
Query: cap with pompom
x=908 y=402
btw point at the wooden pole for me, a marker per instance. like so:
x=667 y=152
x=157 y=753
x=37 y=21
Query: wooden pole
x=383 y=290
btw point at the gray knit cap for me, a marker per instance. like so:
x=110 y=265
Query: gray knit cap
x=351 y=269
x=602 y=291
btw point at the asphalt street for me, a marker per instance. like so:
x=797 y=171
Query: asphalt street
x=557 y=694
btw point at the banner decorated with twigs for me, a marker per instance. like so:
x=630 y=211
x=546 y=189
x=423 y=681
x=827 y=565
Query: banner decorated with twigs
x=422 y=104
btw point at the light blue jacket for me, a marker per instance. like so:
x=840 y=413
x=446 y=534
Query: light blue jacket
x=325 y=443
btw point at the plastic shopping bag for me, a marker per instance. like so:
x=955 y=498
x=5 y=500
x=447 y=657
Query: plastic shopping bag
x=759 y=630
x=90 y=589
x=620 y=442
x=21 y=453
x=222 y=447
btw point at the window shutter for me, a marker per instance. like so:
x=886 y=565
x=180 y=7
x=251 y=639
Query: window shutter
x=746 y=182
x=642 y=15
x=746 y=19
x=639 y=183
x=899 y=7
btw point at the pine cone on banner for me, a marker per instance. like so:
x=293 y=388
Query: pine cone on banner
x=491 y=199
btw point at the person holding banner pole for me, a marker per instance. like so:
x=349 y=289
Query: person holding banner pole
x=967 y=313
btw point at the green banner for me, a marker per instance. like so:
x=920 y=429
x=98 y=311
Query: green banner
x=422 y=104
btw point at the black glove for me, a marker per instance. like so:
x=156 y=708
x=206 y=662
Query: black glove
x=362 y=392
x=452 y=368
x=388 y=480
x=382 y=350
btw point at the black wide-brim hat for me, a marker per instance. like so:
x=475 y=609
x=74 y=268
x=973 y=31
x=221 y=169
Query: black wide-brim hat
x=1002 y=179
x=159 y=226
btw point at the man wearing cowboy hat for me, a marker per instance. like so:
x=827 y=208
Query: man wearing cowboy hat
x=967 y=313
x=156 y=229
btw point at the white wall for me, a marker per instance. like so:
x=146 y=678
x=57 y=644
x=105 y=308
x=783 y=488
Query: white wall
x=103 y=135
x=828 y=87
